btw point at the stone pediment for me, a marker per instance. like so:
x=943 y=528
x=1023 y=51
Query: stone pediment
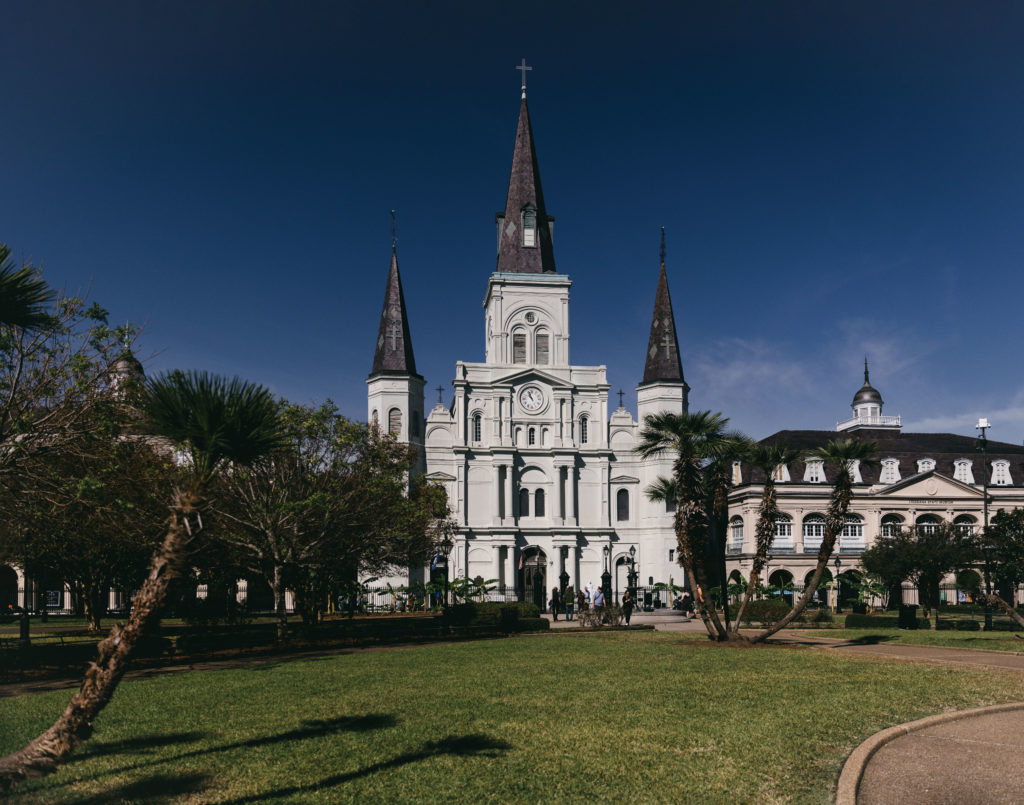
x=439 y=476
x=526 y=375
x=624 y=479
x=930 y=485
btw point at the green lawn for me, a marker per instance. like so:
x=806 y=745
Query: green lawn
x=567 y=718
x=990 y=641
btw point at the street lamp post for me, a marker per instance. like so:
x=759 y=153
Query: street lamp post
x=631 y=575
x=606 y=577
x=838 y=564
x=563 y=577
x=982 y=426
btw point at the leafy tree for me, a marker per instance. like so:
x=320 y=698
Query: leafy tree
x=923 y=555
x=1005 y=539
x=331 y=504
x=91 y=516
x=214 y=423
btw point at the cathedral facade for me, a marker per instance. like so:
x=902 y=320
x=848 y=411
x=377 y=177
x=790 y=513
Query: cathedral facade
x=541 y=476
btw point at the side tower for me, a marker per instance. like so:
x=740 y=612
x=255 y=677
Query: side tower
x=394 y=389
x=867 y=409
x=663 y=388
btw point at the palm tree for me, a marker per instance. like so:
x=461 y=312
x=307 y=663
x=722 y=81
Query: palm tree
x=700 y=445
x=214 y=423
x=24 y=295
x=765 y=457
x=841 y=453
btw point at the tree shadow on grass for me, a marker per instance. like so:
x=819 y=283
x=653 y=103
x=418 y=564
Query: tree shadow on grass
x=136 y=746
x=309 y=729
x=156 y=788
x=870 y=640
x=474 y=745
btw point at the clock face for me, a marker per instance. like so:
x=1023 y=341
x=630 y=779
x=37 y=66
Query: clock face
x=531 y=398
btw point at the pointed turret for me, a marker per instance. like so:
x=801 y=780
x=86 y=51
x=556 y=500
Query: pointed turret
x=393 y=354
x=524 y=229
x=663 y=359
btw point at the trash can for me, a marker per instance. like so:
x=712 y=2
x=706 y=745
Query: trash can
x=908 y=616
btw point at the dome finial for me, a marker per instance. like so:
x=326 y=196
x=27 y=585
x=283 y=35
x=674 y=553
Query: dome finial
x=866 y=381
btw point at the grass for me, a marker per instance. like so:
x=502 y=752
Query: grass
x=989 y=641
x=572 y=717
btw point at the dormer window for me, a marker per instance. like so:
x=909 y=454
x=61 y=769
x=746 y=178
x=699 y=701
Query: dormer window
x=1001 y=473
x=890 y=471
x=962 y=470
x=813 y=471
x=925 y=464
x=529 y=227
x=781 y=473
x=853 y=467
x=737 y=472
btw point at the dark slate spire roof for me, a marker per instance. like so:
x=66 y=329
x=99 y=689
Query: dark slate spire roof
x=394 y=343
x=523 y=192
x=663 y=359
x=867 y=393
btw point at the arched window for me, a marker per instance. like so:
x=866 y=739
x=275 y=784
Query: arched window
x=783 y=531
x=395 y=422
x=736 y=533
x=478 y=426
x=529 y=227
x=891 y=525
x=622 y=505
x=524 y=502
x=852 y=536
x=531 y=436
x=814 y=531
x=518 y=347
x=374 y=418
x=928 y=523
x=542 y=346
x=518 y=436
x=965 y=524
x=583 y=430
x=538 y=503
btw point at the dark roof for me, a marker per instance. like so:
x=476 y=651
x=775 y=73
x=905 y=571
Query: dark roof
x=393 y=354
x=523 y=191
x=663 y=360
x=944 y=448
x=127 y=364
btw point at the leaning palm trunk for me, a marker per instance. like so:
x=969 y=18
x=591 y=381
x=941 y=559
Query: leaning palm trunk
x=835 y=520
x=690 y=530
x=75 y=724
x=997 y=601
x=765 y=535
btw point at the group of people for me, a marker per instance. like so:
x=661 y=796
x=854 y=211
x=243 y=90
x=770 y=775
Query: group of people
x=585 y=599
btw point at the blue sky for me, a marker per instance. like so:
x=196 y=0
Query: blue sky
x=835 y=179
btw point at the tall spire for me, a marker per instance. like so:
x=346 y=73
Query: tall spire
x=524 y=229
x=663 y=359
x=393 y=354
x=867 y=381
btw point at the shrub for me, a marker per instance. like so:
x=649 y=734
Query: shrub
x=491 y=613
x=533 y=625
x=967 y=626
x=881 y=622
x=765 y=611
x=596 y=617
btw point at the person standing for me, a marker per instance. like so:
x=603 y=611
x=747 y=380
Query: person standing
x=581 y=601
x=598 y=598
x=556 y=602
x=627 y=606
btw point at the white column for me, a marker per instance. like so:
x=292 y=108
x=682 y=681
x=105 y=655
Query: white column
x=496 y=562
x=508 y=495
x=570 y=495
x=510 y=566
x=498 y=496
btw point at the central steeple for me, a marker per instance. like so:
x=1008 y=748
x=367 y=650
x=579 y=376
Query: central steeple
x=524 y=229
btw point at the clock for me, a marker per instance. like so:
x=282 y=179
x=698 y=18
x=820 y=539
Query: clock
x=531 y=398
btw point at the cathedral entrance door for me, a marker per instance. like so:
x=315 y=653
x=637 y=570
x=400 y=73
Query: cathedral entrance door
x=533 y=577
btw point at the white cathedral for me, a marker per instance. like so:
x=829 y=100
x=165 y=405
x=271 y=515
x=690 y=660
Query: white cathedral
x=542 y=482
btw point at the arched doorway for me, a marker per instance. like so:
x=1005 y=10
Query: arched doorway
x=8 y=589
x=782 y=580
x=820 y=597
x=533 y=577
x=849 y=582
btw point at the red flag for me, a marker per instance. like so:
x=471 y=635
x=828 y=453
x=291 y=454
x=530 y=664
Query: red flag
x=521 y=557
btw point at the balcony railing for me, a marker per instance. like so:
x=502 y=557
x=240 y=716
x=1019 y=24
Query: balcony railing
x=870 y=422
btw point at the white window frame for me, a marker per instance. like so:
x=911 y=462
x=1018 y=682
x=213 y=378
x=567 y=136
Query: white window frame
x=1001 y=473
x=890 y=471
x=814 y=471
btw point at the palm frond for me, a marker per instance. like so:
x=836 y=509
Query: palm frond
x=24 y=295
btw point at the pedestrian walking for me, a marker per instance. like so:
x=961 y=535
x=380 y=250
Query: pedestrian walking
x=627 y=606
x=555 y=602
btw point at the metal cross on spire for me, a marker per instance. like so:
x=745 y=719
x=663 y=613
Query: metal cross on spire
x=440 y=395
x=523 y=68
x=621 y=393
